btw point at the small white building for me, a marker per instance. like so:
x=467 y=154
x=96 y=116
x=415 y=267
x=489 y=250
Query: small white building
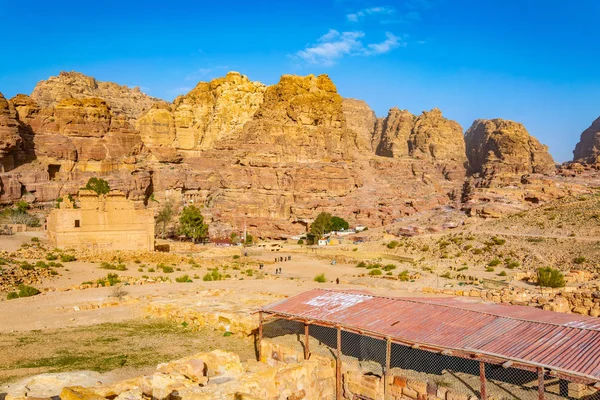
x=322 y=242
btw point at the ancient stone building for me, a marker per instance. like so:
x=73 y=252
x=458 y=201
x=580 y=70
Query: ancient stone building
x=101 y=222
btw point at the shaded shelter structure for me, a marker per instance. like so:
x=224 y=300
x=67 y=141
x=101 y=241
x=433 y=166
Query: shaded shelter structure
x=523 y=352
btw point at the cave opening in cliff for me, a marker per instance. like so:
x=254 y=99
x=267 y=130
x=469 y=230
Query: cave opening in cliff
x=53 y=169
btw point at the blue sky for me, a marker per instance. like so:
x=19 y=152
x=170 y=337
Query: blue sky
x=533 y=61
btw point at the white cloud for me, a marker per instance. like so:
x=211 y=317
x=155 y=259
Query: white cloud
x=354 y=17
x=334 y=45
x=387 y=45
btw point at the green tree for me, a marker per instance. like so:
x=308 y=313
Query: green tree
x=337 y=224
x=165 y=216
x=98 y=185
x=321 y=225
x=22 y=206
x=191 y=223
x=234 y=238
x=550 y=277
x=249 y=239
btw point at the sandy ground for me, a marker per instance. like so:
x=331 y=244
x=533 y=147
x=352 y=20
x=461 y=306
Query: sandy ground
x=59 y=308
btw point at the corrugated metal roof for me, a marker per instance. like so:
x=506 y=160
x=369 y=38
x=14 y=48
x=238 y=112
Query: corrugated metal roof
x=563 y=342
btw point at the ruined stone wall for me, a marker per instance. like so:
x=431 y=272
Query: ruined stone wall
x=101 y=222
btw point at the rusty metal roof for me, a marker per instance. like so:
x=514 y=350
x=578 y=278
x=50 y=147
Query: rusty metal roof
x=565 y=343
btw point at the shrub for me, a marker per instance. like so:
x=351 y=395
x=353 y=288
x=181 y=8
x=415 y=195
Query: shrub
x=27 y=266
x=35 y=239
x=51 y=257
x=489 y=269
x=477 y=251
x=374 y=272
x=404 y=276
x=512 y=264
x=361 y=264
x=140 y=269
x=27 y=291
x=112 y=279
x=498 y=241
x=389 y=267
x=494 y=262
x=167 y=270
x=320 y=278
x=207 y=277
x=425 y=248
x=579 y=260
x=183 y=279
x=137 y=261
x=151 y=270
x=467 y=247
x=118 y=267
x=300 y=241
x=462 y=269
x=550 y=277
x=503 y=273
x=236 y=257
x=67 y=257
x=98 y=185
x=446 y=275
x=393 y=244
x=12 y=295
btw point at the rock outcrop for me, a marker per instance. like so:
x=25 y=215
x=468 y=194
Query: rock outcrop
x=361 y=120
x=123 y=101
x=428 y=136
x=209 y=112
x=588 y=148
x=499 y=148
x=10 y=140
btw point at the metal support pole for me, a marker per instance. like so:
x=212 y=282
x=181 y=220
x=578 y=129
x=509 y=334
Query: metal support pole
x=260 y=334
x=388 y=356
x=338 y=366
x=541 y=387
x=306 y=343
x=482 y=380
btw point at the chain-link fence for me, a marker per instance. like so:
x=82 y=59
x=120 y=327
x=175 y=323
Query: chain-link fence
x=378 y=369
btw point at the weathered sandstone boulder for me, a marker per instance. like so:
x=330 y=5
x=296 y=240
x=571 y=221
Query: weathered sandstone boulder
x=499 y=148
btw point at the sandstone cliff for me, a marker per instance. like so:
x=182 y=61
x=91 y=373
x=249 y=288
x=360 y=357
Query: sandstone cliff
x=10 y=140
x=429 y=136
x=361 y=120
x=588 y=148
x=273 y=157
x=499 y=148
x=123 y=101
x=209 y=112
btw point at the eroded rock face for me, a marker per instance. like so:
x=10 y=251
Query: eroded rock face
x=499 y=148
x=588 y=148
x=123 y=101
x=362 y=120
x=428 y=136
x=209 y=112
x=10 y=140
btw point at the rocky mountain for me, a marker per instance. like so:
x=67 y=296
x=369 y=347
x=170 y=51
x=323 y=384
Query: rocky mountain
x=124 y=101
x=499 y=147
x=588 y=148
x=271 y=157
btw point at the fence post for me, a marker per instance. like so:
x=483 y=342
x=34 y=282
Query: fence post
x=482 y=380
x=541 y=387
x=306 y=348
x=260 y=334
x=338 y=366
x=388 y=355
